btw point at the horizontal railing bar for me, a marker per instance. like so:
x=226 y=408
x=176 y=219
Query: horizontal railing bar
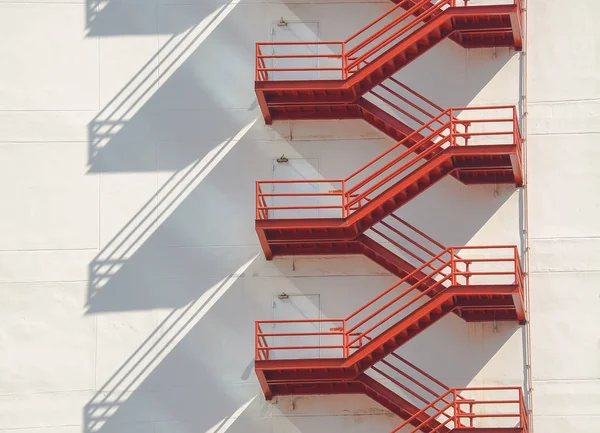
x=300 y=347
x=480 y=247
x=484 y=107
x=492 y=402
x=494 y=120
x=302 y=56
x=260 y=182
x=297 y=334
x=489 y=388
x=262 y=322
x=297 y=69
x=300 y=194
x=491 y=259
x=485 y=273
x=261 y=44
x=298 y=207
x=478 y=134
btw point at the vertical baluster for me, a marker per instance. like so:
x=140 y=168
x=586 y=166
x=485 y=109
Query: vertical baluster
x=256 y=351
x=345 y=211
x=257 y=200
x=452 y=138
x=256 y=76
x=455 y=407
x=453 y=266
x=471 y=418
x=468 y=275
x=345 y=341
x=344 y=62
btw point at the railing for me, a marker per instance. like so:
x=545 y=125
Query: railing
x=504 y=407
x=403 y=374
x=489 y=265
x=468 y=126
x=343 y=58
x=407 y=240
x=352 y=54
x=404 y=103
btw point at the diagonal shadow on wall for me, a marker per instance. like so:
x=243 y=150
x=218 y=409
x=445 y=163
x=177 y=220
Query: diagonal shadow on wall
x=178 y=374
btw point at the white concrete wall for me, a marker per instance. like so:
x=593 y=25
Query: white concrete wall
x=564 y=119
x=130 y=273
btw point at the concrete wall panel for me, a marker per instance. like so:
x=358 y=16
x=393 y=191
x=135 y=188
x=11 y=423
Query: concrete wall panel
x=47 y=63
x=49 y=194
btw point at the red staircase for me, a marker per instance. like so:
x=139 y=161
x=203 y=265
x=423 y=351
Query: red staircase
x=372 y=55
x=457 y=142
x=483 y=283
x=356 y=215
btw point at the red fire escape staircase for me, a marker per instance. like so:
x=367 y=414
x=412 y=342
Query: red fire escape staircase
x=348 y=69
x=477 y=283
x=476 y=145
x=355 y=215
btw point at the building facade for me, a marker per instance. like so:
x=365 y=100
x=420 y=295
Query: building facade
x=131 y=273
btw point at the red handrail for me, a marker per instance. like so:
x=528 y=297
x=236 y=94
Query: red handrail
x=351 y=199
x=385 y=28
x=423 y=411
x=350 y=334
x=401 y=32
x=412 y=379
x=457 y=415
x=349 y=61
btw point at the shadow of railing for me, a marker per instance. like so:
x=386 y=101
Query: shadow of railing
x=143 y=224
x=153 y=350
x=144 y=84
